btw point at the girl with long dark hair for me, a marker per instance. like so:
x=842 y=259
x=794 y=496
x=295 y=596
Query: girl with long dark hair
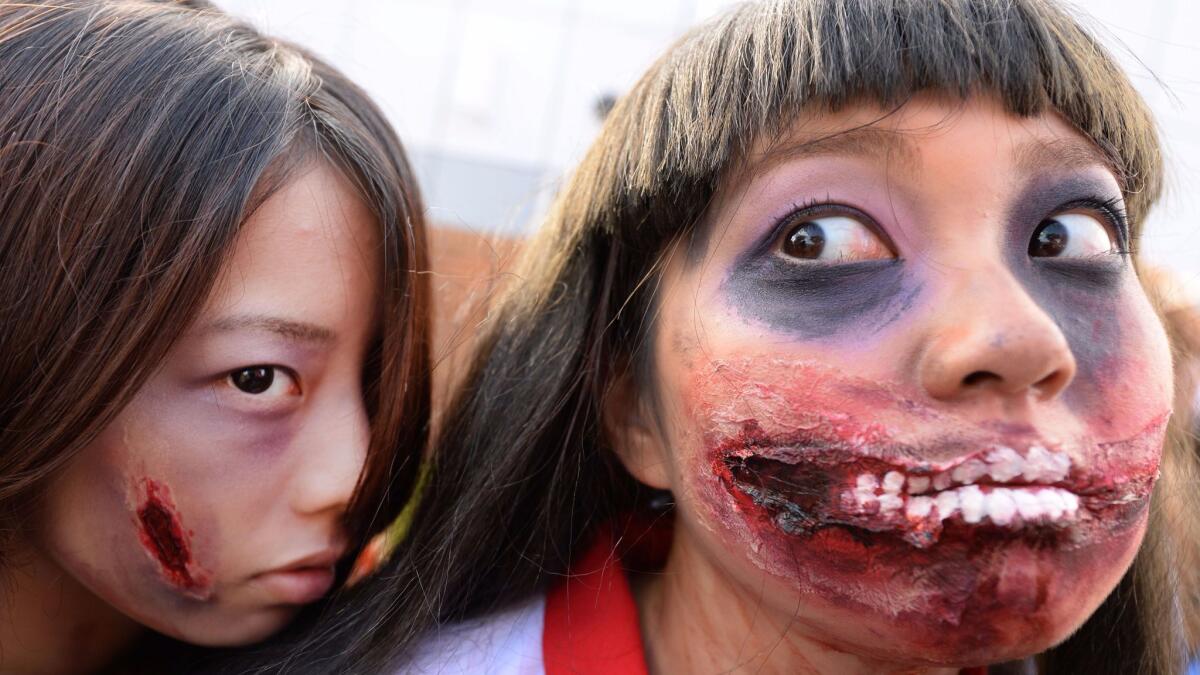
x=214 y=381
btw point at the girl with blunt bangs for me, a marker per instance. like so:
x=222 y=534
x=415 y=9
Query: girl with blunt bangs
x=215 y=371
x=831 y=356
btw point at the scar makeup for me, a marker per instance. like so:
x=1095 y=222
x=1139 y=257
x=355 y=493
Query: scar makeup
x=869 y=498
x=165 y=540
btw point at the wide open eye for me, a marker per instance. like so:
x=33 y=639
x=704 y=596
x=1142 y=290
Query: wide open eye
x=1071 y=235
x=836 y=238
x=264 y=380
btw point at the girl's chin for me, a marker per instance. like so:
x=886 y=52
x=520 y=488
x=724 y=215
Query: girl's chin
x=970 y=600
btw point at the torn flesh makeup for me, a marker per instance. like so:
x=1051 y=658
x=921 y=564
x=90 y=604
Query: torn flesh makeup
x=165 y=540
x=970 y=533
x=809 y=482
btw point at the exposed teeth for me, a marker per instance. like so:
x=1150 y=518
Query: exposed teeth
x=915 y=497
x=969 y=472
x=1041 y=465
x=1004 y=464
x=918 y=484
x=1000 y=506
x=1070 y=503
x=1006 y=507
x=947 y=504
x=970 y=500
x=919 y=507
x=1027 y=503
x=893 y=482
x=889 y=502
x=1051 y=503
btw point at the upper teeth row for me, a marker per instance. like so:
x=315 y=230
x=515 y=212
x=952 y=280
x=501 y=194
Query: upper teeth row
x=1002 y=464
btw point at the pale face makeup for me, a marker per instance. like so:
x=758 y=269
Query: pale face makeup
x=210 y=509
x=911 y=396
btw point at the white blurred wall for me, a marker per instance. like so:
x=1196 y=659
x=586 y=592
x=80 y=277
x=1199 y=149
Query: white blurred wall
x=495 y=99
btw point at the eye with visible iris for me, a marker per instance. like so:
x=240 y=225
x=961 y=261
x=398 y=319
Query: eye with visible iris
x=834 y=238
x=1071 y=235
x=262 y=380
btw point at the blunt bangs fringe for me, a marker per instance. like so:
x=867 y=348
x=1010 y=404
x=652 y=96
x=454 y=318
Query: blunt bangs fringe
x=750 y=72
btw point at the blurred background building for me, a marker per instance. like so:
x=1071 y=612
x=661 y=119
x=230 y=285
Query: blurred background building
x=496 y=99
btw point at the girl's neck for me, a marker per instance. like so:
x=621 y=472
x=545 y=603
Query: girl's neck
x=694 y=619
x=50 y=623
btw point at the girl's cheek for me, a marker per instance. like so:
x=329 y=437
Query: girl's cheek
x=167 y=541
x=1132 y=379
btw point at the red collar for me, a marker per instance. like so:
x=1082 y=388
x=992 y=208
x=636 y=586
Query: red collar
x=592 y=624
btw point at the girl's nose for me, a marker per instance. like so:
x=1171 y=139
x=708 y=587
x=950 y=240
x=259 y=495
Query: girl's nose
x=335 y=449
x=992 y=339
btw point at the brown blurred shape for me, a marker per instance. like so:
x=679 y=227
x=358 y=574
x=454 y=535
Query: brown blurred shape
x=467 y=270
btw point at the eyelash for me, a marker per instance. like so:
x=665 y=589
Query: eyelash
x=1111 y=209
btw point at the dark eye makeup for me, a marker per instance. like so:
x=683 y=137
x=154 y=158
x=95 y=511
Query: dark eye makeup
x=783 y=280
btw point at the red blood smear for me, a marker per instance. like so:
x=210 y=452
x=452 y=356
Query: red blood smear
x=163 y=536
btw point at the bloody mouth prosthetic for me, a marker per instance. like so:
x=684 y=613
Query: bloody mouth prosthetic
x=162 y=535
x=808 y=481
x=967 y=536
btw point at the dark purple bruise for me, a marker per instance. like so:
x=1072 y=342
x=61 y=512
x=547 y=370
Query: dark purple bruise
x=1081 y=296
x=819 y=300
x=815 y=300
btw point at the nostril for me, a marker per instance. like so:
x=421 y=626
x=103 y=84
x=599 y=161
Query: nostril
x=1052 y=383
x=980 y=377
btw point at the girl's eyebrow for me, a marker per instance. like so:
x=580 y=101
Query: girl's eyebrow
x=865 y=142
x=873 y=143
x=1062 y=154
x=299 y=331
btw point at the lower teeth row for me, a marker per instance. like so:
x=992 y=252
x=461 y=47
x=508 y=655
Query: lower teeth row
x=999 y=505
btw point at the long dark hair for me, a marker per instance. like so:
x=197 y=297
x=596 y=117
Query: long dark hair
x=524 y=472
x=135 y=139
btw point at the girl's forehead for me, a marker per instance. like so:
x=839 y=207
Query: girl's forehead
x=909 y=138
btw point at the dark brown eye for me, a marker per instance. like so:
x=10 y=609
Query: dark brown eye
x=1070 y=235
x=1049 y=240
x=253 y=380
x=806 y=240
x=833 y=239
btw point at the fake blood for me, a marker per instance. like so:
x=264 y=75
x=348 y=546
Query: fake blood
x=782 y=441
x=164 y=538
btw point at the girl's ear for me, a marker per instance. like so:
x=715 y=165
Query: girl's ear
x=634 y=435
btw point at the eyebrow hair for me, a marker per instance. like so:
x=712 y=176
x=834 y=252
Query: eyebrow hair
x=299 y=331
x=867 y=142
x=1062 y=154
x=883 y=144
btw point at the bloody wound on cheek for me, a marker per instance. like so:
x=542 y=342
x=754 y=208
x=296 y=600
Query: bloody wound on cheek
x=162 y=534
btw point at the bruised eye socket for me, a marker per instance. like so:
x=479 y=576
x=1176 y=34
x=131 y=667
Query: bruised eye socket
x=1071 y=235
x=832 y=238
x=260 y=379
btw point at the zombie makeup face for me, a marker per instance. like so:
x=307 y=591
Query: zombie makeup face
x=911 y=396
x=209 y=510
